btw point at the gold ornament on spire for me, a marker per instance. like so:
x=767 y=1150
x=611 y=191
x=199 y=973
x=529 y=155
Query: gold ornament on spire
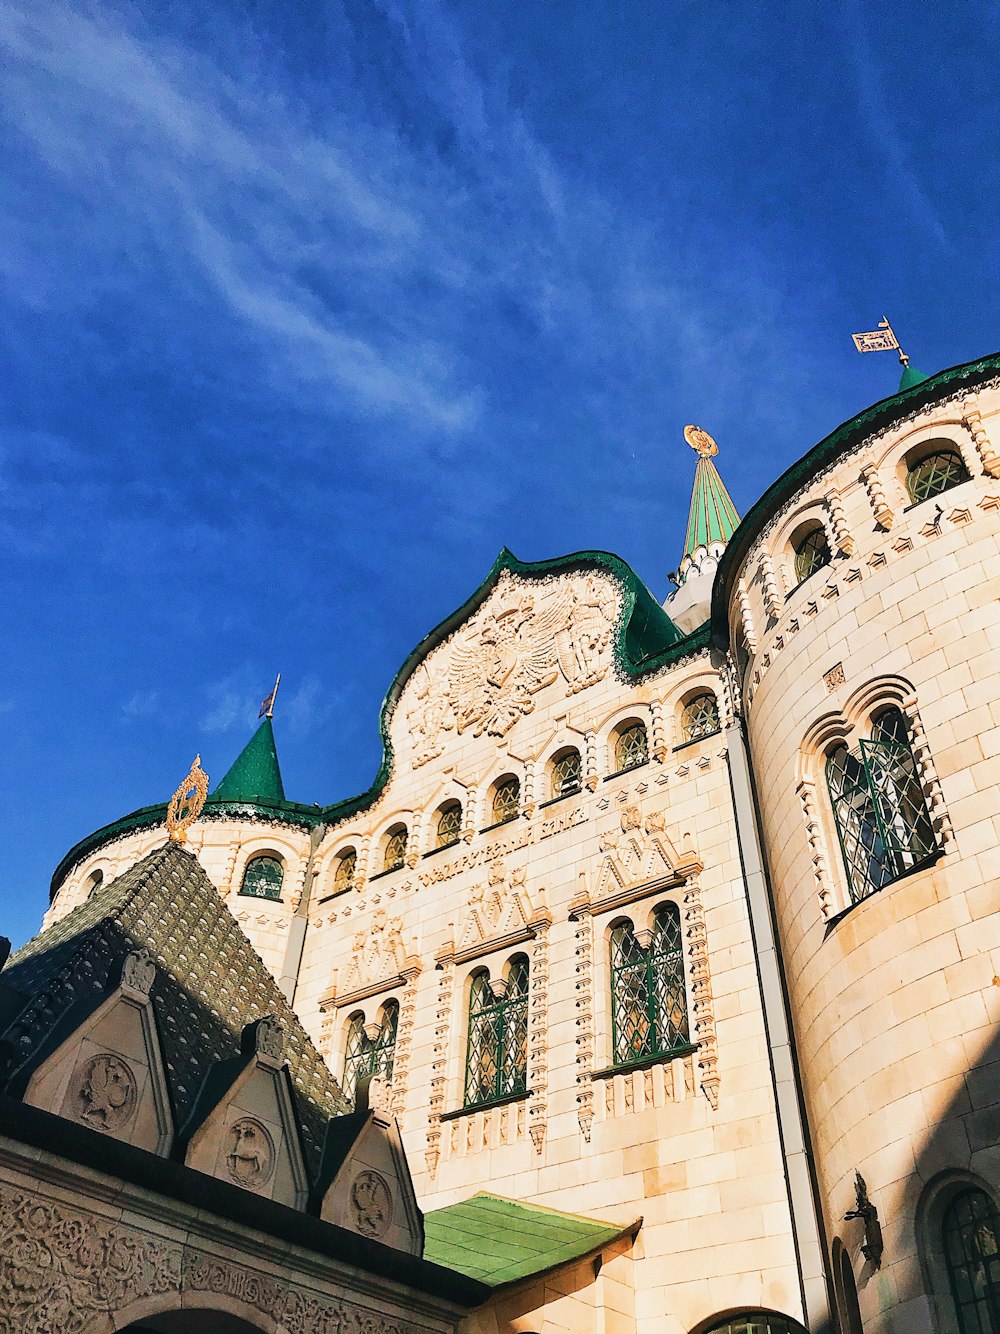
x=187 y=802
x=700 y=441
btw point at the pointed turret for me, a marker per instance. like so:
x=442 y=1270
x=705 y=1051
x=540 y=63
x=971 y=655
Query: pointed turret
x=712 y=520
x=255 y=775
x=910 y=377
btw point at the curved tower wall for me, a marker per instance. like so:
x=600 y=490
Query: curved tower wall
x=895 y=1000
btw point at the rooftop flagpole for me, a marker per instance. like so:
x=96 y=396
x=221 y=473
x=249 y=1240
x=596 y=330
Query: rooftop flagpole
x=267 y=705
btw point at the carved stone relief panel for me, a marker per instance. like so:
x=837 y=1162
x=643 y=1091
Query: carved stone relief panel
x=105 y=1093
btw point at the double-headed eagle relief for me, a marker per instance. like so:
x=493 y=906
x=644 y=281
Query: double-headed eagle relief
x=523 y=640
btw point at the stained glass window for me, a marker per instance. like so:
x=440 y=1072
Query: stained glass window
x=262 y=878
x=812 y=552
x=395 y=849
x=648 y=996
x=566 y=774
x=935 y=473
x=497 y=1059
x=449 y=828
x=971 y=1239
x=630 y=747
x=371 y=1048
x=879 y=807
x=506 y=800
x=344 y=876
x=700 y=717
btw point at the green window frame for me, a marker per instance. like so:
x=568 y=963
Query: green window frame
x=970 y=1238
x=506 y=800
x=395 y=849
x=649 y=1012
x=631 y=747
x=934 y=473
x=567 y=774
x=812 y=553
x=700 y=716
x=262 y=878
x=879 y=809
x=496 y=1063
x=371 y=1048
x=449 y=827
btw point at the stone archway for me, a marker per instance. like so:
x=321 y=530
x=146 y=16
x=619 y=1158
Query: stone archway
x=193 y=1321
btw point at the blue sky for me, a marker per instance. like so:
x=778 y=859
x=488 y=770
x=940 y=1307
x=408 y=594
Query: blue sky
x=308 y=309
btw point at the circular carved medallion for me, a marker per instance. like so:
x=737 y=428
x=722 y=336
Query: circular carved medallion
x=250 y=1161
x=371 y=1203
x=107 y=1093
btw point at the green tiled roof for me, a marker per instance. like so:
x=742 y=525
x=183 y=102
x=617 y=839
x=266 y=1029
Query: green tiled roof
x=255 y=774
x=712 y=516
x=500 y=1241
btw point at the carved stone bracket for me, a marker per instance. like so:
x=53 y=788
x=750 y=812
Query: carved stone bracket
x=769 y=583
x=746 y=616
x=702 y=1010
x=842 y=536
x=538 y=1050
x=439 y=1065
x=817 y=853
x=660 y=749
x=583 y=949
x=973 y=420
x=876 y=496
x=404 y=1040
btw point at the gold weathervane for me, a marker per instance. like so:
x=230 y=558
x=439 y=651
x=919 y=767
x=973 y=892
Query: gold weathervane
x=700 y=441
x=187 y=802
x=881 y=339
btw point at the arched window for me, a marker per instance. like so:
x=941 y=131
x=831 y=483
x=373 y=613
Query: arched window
x=371 y=1048
x=566 y=773
x=812 y=551
x=756 y=1322
x=449 y=826
x=648 y=997
x=970 y=1237
x=700 y=716
x=929 y=474
x=347 y=868
x=395 y=848
x=631 y=748
x=93 y=883
x=879 y=807
x=262 y=877
x=506 y=799
x=497 y=1059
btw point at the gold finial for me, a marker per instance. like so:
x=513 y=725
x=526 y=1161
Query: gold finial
x=700 y=441
x=187 y=802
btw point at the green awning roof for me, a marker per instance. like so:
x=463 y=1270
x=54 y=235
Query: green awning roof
x=712 y=516
x=255 y=773
x=501 y=1241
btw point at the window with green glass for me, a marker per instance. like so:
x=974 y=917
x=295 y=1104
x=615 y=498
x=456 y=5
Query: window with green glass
x=879 y=807
x=933 y=473
x=506 y=800
x=497 y=1058
x=395 y=848
x=648 y=997
x=346 y=872
x=262 y=878
x=812 y=552
x=371 y=1048
x=757 y=1322
x=631 y=749
x=566 y=773
x=449 y=827
x=700 y=717
x=971 y=1241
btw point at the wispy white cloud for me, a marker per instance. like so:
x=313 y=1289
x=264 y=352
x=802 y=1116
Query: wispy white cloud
x=141 y=704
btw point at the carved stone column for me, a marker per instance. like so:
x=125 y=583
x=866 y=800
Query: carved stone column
x=929 y=782
x=583 y=950
x=404 y=1038
x=660 y=749
x=703 y=1013
x=817 y=852
x=538 y=1045
x=973 y=420
x=877 y=497
x=746 y=617
x=769 y=583
x=590 y=761
x=439 y=1062
x=843 y=540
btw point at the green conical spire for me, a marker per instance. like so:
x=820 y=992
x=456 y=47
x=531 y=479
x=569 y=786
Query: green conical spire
x=255 y=775
x=712 y=516
x=910 y=377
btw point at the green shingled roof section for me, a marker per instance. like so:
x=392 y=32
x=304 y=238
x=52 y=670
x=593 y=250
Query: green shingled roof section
x=954 y=380
x=712 y=516
x=500 y=1241
x=255 y=774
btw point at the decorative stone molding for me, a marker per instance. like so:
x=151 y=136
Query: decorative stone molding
x=538 y=1047
x=817 y=853
x=746 y=616
x=501 y=916
x=773 y=600
x=876 y=496
x=583 y=949
x=660 y=747
x=640 y=860
x=973 y=421
x=590 y=765
x=927 y=772
x=842 y=536
x=702 y=1011
x=379 y=962
x=626 y=1091
x=439 y=1063
x=138 y=976
x=106 y=1093
x=404 y=1038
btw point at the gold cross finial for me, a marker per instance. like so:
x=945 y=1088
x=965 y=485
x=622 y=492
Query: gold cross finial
x=187 y=802
x=700 y=441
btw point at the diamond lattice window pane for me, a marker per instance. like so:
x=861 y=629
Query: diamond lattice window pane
x=935 y=473
x=262 y=878
x=395 y=850
x=630 y=748
x=700 y=717
x=449 y=828
x=506 y=800
x=811 y=553
x=566 y=774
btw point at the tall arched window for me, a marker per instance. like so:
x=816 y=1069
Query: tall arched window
x=812 y=551
x=700 y=716
x=970 y=1238
x=497 y=1059
x=94 y=881
x=631 y=747
x=395 y=848
x=371 y=1048
x=566 y=773
x=506 y=799
x=648 y=997
x=929 y=474
x=262 y=877
x=879 y=807
x=346 y=873
x=449 y=825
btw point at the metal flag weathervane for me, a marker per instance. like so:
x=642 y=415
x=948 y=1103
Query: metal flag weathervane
x=881 y=339
x=267 y=705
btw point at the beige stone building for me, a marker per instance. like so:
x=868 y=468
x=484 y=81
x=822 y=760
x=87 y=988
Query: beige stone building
x=667 y=934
